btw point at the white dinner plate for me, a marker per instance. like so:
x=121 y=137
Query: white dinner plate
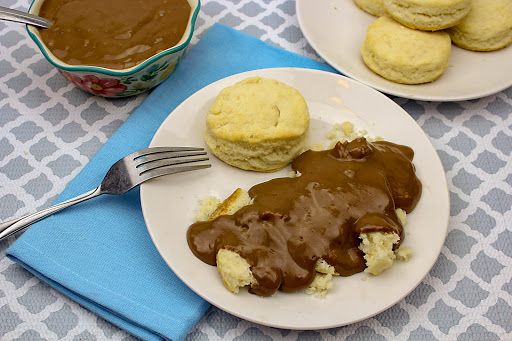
x=169 y=203
x=336 y=29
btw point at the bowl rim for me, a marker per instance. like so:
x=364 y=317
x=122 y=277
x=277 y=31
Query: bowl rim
x=32 y=32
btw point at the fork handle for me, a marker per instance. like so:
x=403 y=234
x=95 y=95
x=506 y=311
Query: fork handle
x=9 y=227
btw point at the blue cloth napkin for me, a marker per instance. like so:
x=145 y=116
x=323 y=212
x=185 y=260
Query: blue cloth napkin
x=99 y=253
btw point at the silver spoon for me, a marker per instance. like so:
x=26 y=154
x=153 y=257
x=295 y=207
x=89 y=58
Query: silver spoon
x=22 y=17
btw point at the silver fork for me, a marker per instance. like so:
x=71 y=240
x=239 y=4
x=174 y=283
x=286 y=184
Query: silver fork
x=124 y=175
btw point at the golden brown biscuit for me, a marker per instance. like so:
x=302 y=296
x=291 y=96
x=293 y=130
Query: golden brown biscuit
x=487 y=27
x=374 y=7
x=257 y=124
x=428 y=15
x=404 y=55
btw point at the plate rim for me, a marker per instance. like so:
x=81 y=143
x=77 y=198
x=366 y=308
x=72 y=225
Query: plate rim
x=344 y=71
x=319 y=326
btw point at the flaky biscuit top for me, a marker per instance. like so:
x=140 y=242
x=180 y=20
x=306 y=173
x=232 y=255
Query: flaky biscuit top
x=258 y=109
x=404 y=46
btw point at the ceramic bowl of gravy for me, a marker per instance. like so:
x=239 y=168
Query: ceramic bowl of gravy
x=115 y=48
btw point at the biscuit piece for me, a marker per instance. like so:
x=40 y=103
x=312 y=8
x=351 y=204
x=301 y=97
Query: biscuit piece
x=211 y=207
x=428 y=15
x=378 y=250
x=322 y=282
x=404 y=55
x=238 y=199
x=258 y=124
x=234 y=270
x=207 y=206
x=487 y=27
x=374 y=7
x=403 y=253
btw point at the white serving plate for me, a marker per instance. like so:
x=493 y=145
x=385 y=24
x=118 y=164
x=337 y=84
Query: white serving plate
x=169 y=203
x=337 y=28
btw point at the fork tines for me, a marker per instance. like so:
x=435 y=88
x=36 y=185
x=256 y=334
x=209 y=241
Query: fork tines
x=153 y=162
x=155 y=150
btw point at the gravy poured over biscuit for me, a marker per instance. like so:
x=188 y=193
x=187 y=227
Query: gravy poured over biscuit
x=351 y=189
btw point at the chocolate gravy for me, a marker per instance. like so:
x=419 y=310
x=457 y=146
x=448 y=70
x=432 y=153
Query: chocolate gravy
x=115 y=34
x=351 y=189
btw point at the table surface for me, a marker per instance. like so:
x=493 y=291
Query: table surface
x=49 y=130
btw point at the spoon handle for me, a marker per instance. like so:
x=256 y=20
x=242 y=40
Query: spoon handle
x=22 y=17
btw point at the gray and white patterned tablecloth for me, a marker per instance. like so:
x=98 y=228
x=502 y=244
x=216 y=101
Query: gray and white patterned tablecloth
x=49 y=130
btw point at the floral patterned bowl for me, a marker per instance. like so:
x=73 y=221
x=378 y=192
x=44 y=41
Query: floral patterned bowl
x=119 y=83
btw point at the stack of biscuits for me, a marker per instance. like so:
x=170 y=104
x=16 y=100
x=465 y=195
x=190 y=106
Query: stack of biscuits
x=410 y=43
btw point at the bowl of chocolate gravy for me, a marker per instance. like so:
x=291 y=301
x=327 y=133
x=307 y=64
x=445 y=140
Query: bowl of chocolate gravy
x=115 y=48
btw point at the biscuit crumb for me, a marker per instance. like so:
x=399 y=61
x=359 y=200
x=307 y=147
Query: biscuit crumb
x=402 y=216
x=294 y=174
x=346 y=131
x=404 y=253
x=347 y=127
x=207 y=206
